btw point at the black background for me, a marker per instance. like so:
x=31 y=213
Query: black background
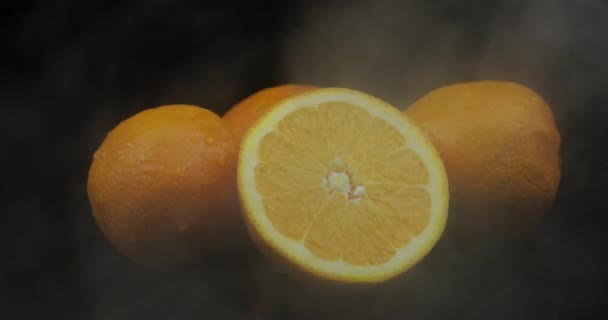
x=71 y=70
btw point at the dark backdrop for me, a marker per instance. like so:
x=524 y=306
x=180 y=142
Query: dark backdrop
x=70 y=70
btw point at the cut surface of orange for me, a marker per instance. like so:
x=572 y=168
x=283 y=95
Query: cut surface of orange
x=340 y=184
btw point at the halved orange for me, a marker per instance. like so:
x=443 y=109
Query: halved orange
x=342 y=185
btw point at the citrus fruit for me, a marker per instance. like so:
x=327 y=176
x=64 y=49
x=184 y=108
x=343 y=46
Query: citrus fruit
x=242 y=115
x=500 y=145
x=162 y=184
x=341 y=185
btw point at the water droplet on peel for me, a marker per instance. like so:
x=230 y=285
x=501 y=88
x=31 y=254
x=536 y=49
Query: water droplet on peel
x=209 y=140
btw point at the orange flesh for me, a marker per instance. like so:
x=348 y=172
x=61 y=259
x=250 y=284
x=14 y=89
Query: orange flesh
x=343 y=183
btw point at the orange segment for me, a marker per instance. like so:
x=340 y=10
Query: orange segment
x=290 y=208
x=369 y=244
x=306 y=123
x=411 y=205
x=339 y=183
x=322 y=238
x=396 y=234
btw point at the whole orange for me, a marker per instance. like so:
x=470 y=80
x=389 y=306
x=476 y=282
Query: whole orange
x=162 y=184
x=500 y=146
x=242 y=115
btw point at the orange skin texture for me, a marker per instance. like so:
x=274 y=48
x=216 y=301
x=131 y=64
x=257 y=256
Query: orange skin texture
x=162 y=185
x=242 y=115
x=500 y=147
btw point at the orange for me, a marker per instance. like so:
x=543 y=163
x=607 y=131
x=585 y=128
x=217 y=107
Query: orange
x=500 y=146
x=242 y=115
x=341 y=185
x=162 y=184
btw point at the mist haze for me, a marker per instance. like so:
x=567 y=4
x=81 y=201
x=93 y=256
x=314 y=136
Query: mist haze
x=73 y=70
